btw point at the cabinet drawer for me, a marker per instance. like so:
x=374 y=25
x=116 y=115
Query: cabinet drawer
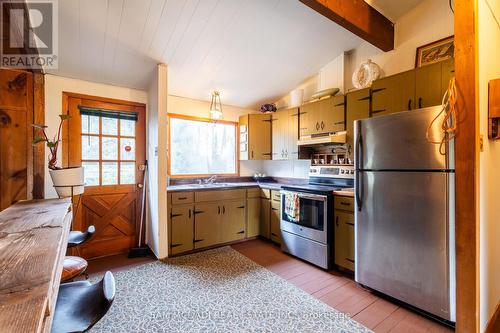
x=178 y=198
x=344 y=203
x=219 y=195
x=276 y=195
x=265 y=193
x=253 y=193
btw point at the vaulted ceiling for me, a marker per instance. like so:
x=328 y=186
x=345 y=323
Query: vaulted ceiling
x=252 y=51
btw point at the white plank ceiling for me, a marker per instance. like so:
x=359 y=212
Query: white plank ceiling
x=251 y=50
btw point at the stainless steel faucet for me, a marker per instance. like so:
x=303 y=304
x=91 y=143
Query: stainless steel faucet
x=210 y=180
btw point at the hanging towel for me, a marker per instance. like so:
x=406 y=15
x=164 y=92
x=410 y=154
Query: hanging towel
x=292 y=206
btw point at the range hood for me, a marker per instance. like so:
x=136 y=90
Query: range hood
x=328 y=138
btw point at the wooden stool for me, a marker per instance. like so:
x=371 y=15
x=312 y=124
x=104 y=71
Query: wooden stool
x=72 y=267
x=80 y=305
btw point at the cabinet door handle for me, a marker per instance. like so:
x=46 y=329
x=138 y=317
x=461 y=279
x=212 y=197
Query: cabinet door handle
x=175 y=245
x=182 y=198
x=377 y=111
x=240 y=232
x=345 y=203
x=420 y=102
x=274 y=208
x=349 y=260
x=197 y=240
x=350 y=223
x=174 y=215
x=322 y=125
x=317 y=126
x=337 y=221
x=339 y=123
x=189 y=212
x=240 y=207
x=223 y=209
x=218 y=209
x=198 y=212
x=377 y=90
x=409 y=104
x=252 y=153
x=273 y=234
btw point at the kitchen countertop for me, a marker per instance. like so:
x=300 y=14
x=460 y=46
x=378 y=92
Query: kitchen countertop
x=236 y=185
x=217 y=186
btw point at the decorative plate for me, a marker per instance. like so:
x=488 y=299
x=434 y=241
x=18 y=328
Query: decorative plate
x=366 y=74
x=325 y=92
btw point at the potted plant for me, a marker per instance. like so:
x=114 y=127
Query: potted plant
x=67 y=181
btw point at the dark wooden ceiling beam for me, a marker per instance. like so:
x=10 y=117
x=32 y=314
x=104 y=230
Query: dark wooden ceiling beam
x=359 y=18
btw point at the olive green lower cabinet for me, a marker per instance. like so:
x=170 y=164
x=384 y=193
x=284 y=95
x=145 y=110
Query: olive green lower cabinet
x=275 y=216
x=344 y=232
x=203 y=219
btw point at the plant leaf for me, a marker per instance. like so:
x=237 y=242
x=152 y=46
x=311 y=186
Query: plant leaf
x=39 y=126
x=64 y=116
x=37 y=140
x=51 y=144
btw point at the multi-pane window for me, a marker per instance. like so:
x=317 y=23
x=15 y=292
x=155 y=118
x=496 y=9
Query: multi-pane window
x=108 y=149
x=202 y=147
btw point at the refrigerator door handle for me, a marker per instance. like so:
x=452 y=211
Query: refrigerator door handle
x=358 y=161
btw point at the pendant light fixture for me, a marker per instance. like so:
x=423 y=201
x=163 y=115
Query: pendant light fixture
x=215 y=106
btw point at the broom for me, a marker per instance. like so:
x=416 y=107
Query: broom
x=141 y=251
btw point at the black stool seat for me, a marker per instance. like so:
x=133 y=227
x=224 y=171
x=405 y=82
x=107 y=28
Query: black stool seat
x=76 y=238
x=80 y=305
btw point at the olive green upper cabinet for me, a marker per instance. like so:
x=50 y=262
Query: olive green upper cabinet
x=447 y=72
x=358 y=107
x=428 y=86
x=285 y=134
x=393 y=94
x=308 y=119
x=279 y=128
x=255 y=137
x=292 y=149
x=332 y=114
x=323 y=116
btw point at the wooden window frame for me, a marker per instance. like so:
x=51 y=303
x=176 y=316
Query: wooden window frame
x=206 y=120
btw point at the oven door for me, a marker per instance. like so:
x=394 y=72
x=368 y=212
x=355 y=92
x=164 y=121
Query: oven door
x=311 y=221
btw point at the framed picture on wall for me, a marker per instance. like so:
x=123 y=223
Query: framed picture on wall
x=434 y=52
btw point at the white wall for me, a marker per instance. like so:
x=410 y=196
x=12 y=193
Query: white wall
x=429 y=21
x=489 y=182
x=54 y=87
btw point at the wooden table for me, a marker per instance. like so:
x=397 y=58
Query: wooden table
x=33 y=240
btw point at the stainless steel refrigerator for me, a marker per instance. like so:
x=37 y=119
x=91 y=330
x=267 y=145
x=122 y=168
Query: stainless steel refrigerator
x=404 y=211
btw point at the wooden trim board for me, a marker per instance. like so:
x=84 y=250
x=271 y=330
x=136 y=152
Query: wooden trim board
x=467 y=168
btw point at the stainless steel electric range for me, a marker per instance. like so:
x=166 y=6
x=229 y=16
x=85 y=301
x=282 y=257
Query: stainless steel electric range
x=307 y=232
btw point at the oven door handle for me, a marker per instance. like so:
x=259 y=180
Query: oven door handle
x=304 y=195
x=316 y=197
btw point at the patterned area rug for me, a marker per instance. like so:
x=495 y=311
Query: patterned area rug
x=215 y=291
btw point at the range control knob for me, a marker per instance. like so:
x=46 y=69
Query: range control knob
x=342 y=171
x=352 y=172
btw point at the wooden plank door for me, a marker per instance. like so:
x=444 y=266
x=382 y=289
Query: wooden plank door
x=16 y=117
x=112 y=152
